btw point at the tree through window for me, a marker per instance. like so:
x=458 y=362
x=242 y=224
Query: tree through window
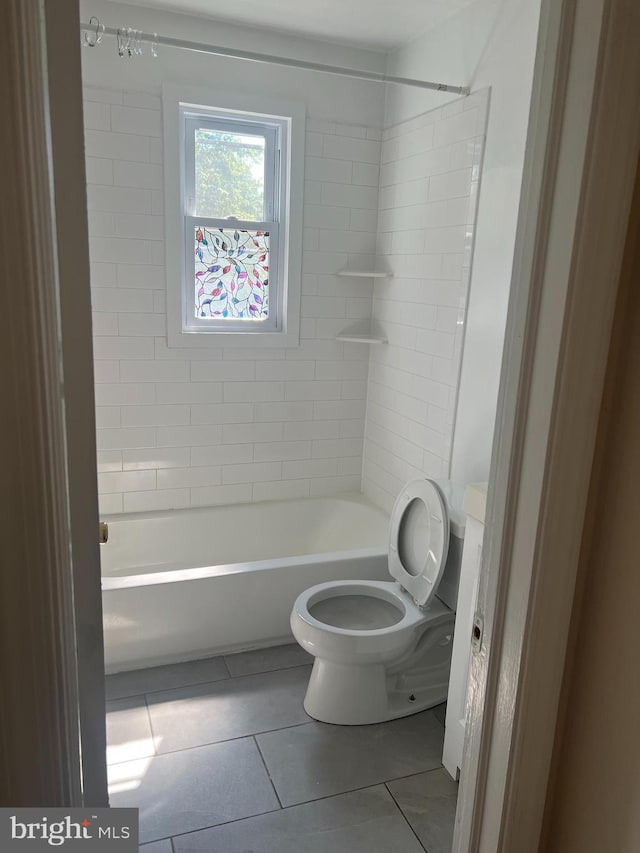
x=230 y=174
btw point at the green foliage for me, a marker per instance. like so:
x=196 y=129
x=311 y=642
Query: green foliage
x=225 y=177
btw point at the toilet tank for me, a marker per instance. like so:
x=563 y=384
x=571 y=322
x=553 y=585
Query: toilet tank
x=447 y=590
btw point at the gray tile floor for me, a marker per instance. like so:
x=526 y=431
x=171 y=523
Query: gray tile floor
x=219 y=756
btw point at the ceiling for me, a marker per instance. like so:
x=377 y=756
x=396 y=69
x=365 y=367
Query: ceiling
x=377 y=24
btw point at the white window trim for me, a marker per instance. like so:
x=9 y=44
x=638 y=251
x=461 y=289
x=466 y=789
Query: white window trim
x=293 y=114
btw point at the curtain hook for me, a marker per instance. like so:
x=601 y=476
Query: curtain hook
x=154 y=46
x=90 y=41
x=120 y=41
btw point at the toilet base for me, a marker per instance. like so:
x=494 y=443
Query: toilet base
x=361 y=694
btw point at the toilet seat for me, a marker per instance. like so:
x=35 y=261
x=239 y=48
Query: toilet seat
x=419 y=539
x=306 y=602
x=418 y=548
x=351 y=644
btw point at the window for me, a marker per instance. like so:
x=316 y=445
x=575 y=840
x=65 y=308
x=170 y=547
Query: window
x=232 y=215
x=239 y=247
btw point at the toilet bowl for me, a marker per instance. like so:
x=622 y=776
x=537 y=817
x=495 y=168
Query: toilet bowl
x=383 y=648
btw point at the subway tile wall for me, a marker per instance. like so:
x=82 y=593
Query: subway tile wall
x=191 y=427
x=429 y=179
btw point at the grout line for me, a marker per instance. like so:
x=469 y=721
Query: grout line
x=307 y=722
x=219 y=742
x=253 y=736
x=171 y=838
x=360 y=788
x=404 y=817
x=417 y=773
x=224 y=680
x=267 y=771
x=153 y=737
x=274 y=669
x=202 y=683
x=223 y=658
x=303 y=803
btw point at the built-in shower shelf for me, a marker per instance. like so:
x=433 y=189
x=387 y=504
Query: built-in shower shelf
x=364 y=274
x=361 y=339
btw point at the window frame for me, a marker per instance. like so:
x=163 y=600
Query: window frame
x=184 y=107
x=273 y=132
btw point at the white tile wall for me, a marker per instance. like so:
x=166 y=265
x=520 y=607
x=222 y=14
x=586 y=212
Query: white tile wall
x=430 y=168
x=181 y=427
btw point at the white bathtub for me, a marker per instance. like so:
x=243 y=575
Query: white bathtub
x=190 y=583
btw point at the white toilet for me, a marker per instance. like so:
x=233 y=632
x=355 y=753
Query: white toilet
x=382 y=648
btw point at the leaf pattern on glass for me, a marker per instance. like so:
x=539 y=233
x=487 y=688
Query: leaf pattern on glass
x=231 y=274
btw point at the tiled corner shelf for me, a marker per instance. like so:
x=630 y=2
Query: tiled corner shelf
x=361 y=339
x=353 y=335
x=363 y=274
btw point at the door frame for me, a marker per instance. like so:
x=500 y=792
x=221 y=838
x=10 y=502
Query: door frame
x=54 y=743
x=582 y=154
x=62 y=24
x=40 y=735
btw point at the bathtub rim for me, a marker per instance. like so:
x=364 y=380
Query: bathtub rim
x=150 y=514
x=223 y=570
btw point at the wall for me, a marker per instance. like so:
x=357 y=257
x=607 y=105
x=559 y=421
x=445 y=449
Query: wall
x=490 y=44
x=180 y=427
x=594 y=803
x=326 y=96
x=412 y=410
x=427 y=205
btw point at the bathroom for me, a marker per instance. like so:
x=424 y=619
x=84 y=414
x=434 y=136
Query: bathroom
x=234 y=475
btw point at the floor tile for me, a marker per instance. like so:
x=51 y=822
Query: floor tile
x=128 y=731
x=265 y=660
x=360 y=822
x=165 y=677
x=428 y=801
x=318 y=760
x=209 y=713
x=193 y=789
x=157 y=847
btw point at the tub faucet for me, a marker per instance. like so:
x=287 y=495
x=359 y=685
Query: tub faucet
x=103 y=534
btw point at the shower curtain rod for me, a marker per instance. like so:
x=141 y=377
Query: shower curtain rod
x=217 y=50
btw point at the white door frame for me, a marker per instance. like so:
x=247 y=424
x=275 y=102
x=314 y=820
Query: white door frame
x=52 y=673
x=40 y=761
x=62 y=24
x=582 y=154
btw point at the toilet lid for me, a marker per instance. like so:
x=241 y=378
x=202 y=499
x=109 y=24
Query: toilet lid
x=419 y=539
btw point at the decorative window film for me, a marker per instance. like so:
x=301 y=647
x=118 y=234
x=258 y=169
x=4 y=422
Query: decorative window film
x=231 y=274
